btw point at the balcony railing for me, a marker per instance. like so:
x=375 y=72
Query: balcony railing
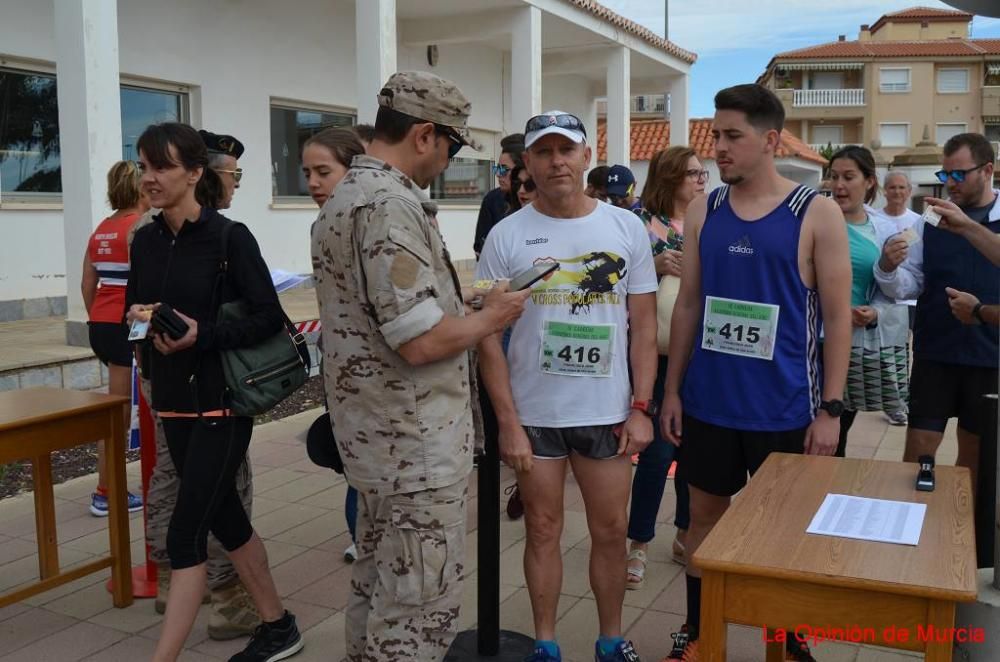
x=819 y=146
x=809 y=98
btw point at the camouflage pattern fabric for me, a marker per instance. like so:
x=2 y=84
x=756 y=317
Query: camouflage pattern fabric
x=406 y=586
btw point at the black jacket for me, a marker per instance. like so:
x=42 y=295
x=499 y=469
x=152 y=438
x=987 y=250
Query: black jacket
x=181 y=270
x=491 y=211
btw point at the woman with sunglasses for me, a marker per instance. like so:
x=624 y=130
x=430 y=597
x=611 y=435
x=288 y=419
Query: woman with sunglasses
x=522 y=189
x=105 y=273
x=175 y=261
x=326 y=158
x=855 y=185
x=676 y=177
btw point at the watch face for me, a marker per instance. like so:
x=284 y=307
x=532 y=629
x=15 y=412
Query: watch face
x=834 y=407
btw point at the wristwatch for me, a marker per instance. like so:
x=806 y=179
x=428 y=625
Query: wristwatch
x=977 y=312
x=832 y=407
x=649 y=407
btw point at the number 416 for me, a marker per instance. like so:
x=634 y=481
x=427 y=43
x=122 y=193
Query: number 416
x=593 y=354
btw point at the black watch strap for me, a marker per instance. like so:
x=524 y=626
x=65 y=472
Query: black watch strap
x=977 y=312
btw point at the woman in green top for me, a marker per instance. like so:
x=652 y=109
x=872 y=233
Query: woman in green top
x=855 y=185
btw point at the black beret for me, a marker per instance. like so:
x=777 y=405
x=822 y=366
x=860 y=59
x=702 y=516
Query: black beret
x=220 y=143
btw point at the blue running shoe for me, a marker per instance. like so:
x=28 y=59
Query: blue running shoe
x=623 y=652
x=542 y=655
x=99 y=504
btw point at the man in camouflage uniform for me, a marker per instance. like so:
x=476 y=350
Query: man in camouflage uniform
x=233 y=613
x=398 y=375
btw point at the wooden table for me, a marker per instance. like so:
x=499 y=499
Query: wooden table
x=761 y=568
x=35 y=422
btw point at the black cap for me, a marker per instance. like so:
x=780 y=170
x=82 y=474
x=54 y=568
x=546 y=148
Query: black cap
x=322 y=446
x=220 y=143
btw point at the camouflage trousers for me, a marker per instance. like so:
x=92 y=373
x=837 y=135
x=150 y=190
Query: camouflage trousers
x=406 y=586
x=162 y=497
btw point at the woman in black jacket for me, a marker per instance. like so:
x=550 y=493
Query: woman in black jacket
x=175 y=261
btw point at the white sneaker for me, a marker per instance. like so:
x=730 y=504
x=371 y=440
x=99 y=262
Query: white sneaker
x=351 y=554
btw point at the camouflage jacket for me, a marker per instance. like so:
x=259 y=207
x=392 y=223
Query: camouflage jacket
x=383 y=278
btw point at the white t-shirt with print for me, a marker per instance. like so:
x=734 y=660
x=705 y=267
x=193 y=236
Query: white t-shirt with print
x=568 y=354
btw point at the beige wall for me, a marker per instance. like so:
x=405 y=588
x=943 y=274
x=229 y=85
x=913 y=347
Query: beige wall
x=910 y=31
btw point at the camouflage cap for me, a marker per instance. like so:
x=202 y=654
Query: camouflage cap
x=428 y=97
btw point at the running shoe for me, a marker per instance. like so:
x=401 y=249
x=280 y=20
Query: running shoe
x=623 y=652
x=99 y=504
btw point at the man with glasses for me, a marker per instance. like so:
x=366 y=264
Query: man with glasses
x=954 y=364
x=495 y=206
x=620 y=189
x=562 y=394
x=398 y=375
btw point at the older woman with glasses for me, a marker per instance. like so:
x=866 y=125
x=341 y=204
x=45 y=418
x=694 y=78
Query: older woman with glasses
x=676 y=177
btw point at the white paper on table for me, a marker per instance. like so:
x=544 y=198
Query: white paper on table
x=845 y=516
x=285 y=280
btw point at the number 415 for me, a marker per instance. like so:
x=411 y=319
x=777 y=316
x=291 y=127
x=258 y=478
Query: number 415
x=751 y=335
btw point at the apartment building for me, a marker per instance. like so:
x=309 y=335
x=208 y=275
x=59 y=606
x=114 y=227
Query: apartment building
x=910 y=70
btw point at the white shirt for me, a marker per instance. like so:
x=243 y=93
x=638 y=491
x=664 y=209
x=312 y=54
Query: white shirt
x=901 y=222
x=603 y=257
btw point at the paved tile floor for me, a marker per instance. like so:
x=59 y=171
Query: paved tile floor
x=298 y=510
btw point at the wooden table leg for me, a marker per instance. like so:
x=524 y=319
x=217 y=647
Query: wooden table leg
x=940 y=619
x=712 y=635
x=45 y=516
x=775 y=650
x=121 y=565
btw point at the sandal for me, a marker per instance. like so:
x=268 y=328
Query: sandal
x=678 y=552
x=639 y=574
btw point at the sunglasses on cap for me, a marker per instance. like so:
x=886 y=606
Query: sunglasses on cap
x=500 y=170
x=456 y=142
x=565 y=121
x=957 y=175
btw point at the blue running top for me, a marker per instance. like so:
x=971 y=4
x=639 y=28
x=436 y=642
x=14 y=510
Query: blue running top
x=742 y=376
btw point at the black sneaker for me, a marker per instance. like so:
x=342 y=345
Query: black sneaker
x=683 y=648
x=269 y=643
x=798 y=651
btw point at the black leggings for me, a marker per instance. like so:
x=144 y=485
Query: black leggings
x=846 y=421
x=206 y=459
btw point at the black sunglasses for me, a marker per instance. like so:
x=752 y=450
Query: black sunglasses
x=456 y=142
x=565 y=121
x=957 y=175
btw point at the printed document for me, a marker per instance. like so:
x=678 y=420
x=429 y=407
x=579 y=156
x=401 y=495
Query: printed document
x=861 y=518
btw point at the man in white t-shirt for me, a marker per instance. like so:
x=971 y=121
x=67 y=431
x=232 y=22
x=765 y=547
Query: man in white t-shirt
x=563 y=393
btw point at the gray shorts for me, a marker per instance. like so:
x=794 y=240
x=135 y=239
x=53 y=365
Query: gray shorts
x=597 y=442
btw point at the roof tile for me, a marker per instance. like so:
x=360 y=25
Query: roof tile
x=648 y=136
x=647 y=35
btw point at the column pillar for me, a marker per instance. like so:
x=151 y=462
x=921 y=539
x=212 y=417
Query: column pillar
x=677 y=93
x=90 y=132
x=526 y=66
x=619 y=106
x=375 y=52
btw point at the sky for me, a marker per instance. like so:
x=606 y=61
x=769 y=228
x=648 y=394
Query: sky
x=735 y=39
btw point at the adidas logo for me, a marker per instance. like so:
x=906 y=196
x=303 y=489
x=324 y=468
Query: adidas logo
x=742 y=247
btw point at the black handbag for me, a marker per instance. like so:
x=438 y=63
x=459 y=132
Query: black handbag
x=260 y=376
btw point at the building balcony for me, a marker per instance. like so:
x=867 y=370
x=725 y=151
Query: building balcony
x=817 y=147
x=991 y=101
x=826 y=98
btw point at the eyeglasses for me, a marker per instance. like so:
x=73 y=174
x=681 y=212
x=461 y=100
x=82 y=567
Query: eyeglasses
x=565 y=121
x=456 y=142
x=528 y=185
x=500 y=170
x=237 y=173
x=698 y=174
x=957 y=175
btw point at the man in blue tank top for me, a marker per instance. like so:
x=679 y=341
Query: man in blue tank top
x=767 y=260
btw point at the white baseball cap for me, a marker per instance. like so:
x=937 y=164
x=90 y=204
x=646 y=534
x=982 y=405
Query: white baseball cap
x=554 y=121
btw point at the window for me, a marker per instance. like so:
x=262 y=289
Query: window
x=894 y=134
x=827 y=135
x=144 y=106
x=992 y=132
x=290 y=127
x=29 y=134
x=952 y=81
x=894 y=80
x=827 y=80
x=946 y=131
x=465 y=180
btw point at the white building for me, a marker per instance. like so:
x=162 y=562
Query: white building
x=80 y=79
